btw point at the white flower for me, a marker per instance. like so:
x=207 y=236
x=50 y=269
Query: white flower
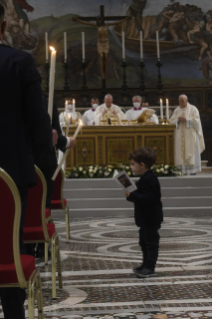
x=76 y=175
x=165 y=172
x=91 y=175
x=84 y=172
x=157 y=170
x=129 y=173
x=106 y=173
x=109 y=170
x=162 y=170
x=166 y=166
x=80 y=169
x=127 y=167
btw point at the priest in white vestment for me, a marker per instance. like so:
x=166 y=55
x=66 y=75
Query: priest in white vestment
x=138 y=109
x=108 y=108
x=189 y=141
x=88 y=116
x=69 y=114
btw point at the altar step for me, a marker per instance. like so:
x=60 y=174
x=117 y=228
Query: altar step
x=204 y=168
x=182 y=196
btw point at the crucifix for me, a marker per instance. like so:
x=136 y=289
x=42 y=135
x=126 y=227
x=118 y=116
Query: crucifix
x=103 y=41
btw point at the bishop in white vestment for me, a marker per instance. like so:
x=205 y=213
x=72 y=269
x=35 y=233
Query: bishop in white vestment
x=189 y=141
x=108 y=108
x=88 y=116
x=138 y=109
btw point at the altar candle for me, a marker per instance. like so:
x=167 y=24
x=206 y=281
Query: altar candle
x=141 y=45
x=73 y=109
x=161 y=109
x=123 y=45
x=47 y=47
x=167 y=109
x=65 y=47
x=51 y=81
x=158 y=45
x=67 y=151
x=83 y=46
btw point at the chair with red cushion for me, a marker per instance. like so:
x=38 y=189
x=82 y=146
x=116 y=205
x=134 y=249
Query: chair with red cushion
x=16 y=270
x=58 y=202
x=36 y=230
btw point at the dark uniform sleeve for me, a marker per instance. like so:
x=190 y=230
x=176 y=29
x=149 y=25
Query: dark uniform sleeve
x=62 y=140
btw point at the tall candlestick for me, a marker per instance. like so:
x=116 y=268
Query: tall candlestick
x=47 y=47
x=73 y=107
x=51 y=81
x=65 y=47
x=83 y=46
x=161 y=109
x=67 y=151
x=167 y=109
x=123 y=45
x=141 y=45
x=158 y=45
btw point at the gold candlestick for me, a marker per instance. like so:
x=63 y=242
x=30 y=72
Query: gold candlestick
x=162 y=121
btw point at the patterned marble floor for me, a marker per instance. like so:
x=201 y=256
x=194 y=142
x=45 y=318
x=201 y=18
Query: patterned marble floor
x=98 y=281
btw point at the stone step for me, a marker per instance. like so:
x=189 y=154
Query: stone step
x=185 y=181
x=75 y=203
x=116 y=192
x=206 y=170
x=204 y=164
x=129 y=212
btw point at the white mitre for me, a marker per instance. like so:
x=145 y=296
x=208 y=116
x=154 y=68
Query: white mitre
x=101 y=108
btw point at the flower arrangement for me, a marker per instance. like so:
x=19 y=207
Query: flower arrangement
x=96 y=171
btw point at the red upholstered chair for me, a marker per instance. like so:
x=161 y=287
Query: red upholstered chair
x=58 y=202
x=36 y=230
x=16 y=270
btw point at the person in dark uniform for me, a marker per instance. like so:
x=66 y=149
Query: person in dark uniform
x=22 y=115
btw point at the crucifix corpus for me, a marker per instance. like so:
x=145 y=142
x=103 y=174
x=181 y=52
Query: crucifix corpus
x=103 y=41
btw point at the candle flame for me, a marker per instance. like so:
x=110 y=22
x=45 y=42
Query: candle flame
x=52 y=49
x=80 y=122
x=167 y=100
x=74 y=101
x=161 y=100
x=66 y=102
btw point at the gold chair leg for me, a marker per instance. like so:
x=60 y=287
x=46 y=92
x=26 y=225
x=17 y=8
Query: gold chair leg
x=59 y=263
x=46 y=246
x=53 y=256
x=67 y=223
x=31 y=297
x=40 y=298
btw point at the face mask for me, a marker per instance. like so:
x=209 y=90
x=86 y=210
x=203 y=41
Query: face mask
x=136 y=104
x=69 y=107
x=94 y=106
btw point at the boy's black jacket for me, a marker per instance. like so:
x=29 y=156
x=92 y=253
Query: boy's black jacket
x=147 y=201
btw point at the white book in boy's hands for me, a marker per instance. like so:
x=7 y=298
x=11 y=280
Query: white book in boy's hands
x=125 y=182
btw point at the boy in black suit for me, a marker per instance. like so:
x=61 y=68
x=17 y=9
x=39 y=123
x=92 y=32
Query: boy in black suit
x=148 y=209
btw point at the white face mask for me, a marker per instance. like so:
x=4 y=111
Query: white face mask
x=69 y=107
x=94 y=106
x=136 y=104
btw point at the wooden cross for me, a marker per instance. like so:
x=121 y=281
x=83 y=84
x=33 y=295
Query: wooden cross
x=102 y=15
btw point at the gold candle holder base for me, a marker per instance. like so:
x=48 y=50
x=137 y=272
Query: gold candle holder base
x=162 y=121
x=167 y=121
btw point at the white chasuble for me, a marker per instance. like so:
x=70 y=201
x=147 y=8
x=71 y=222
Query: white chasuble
x=98 y=115
x=134 y=113
x=189 y=141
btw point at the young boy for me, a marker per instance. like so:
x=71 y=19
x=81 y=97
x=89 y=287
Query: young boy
x=148 y=211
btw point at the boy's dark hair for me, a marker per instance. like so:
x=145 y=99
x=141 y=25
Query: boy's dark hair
x=143 y=155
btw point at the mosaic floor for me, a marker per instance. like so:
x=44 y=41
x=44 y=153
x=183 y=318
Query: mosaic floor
x=99 y=283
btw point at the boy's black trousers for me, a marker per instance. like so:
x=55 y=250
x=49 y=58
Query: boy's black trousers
x=149 y=242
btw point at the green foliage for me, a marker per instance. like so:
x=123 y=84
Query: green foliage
x=95 y=171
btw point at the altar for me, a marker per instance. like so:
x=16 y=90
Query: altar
x=104 y=145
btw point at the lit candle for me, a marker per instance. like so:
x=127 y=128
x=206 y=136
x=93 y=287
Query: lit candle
x=47 y=47
x=123 y=45
x=73 y=108
x=51 y=81
x=83 y=46
x=141 y=45
x=65 y=47
x=161 y=109
x=167 y=109
x=158 y=45
x=67 y=151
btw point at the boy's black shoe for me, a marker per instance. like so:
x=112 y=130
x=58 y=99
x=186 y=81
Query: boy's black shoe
x=145 y=273
x=137 y=269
